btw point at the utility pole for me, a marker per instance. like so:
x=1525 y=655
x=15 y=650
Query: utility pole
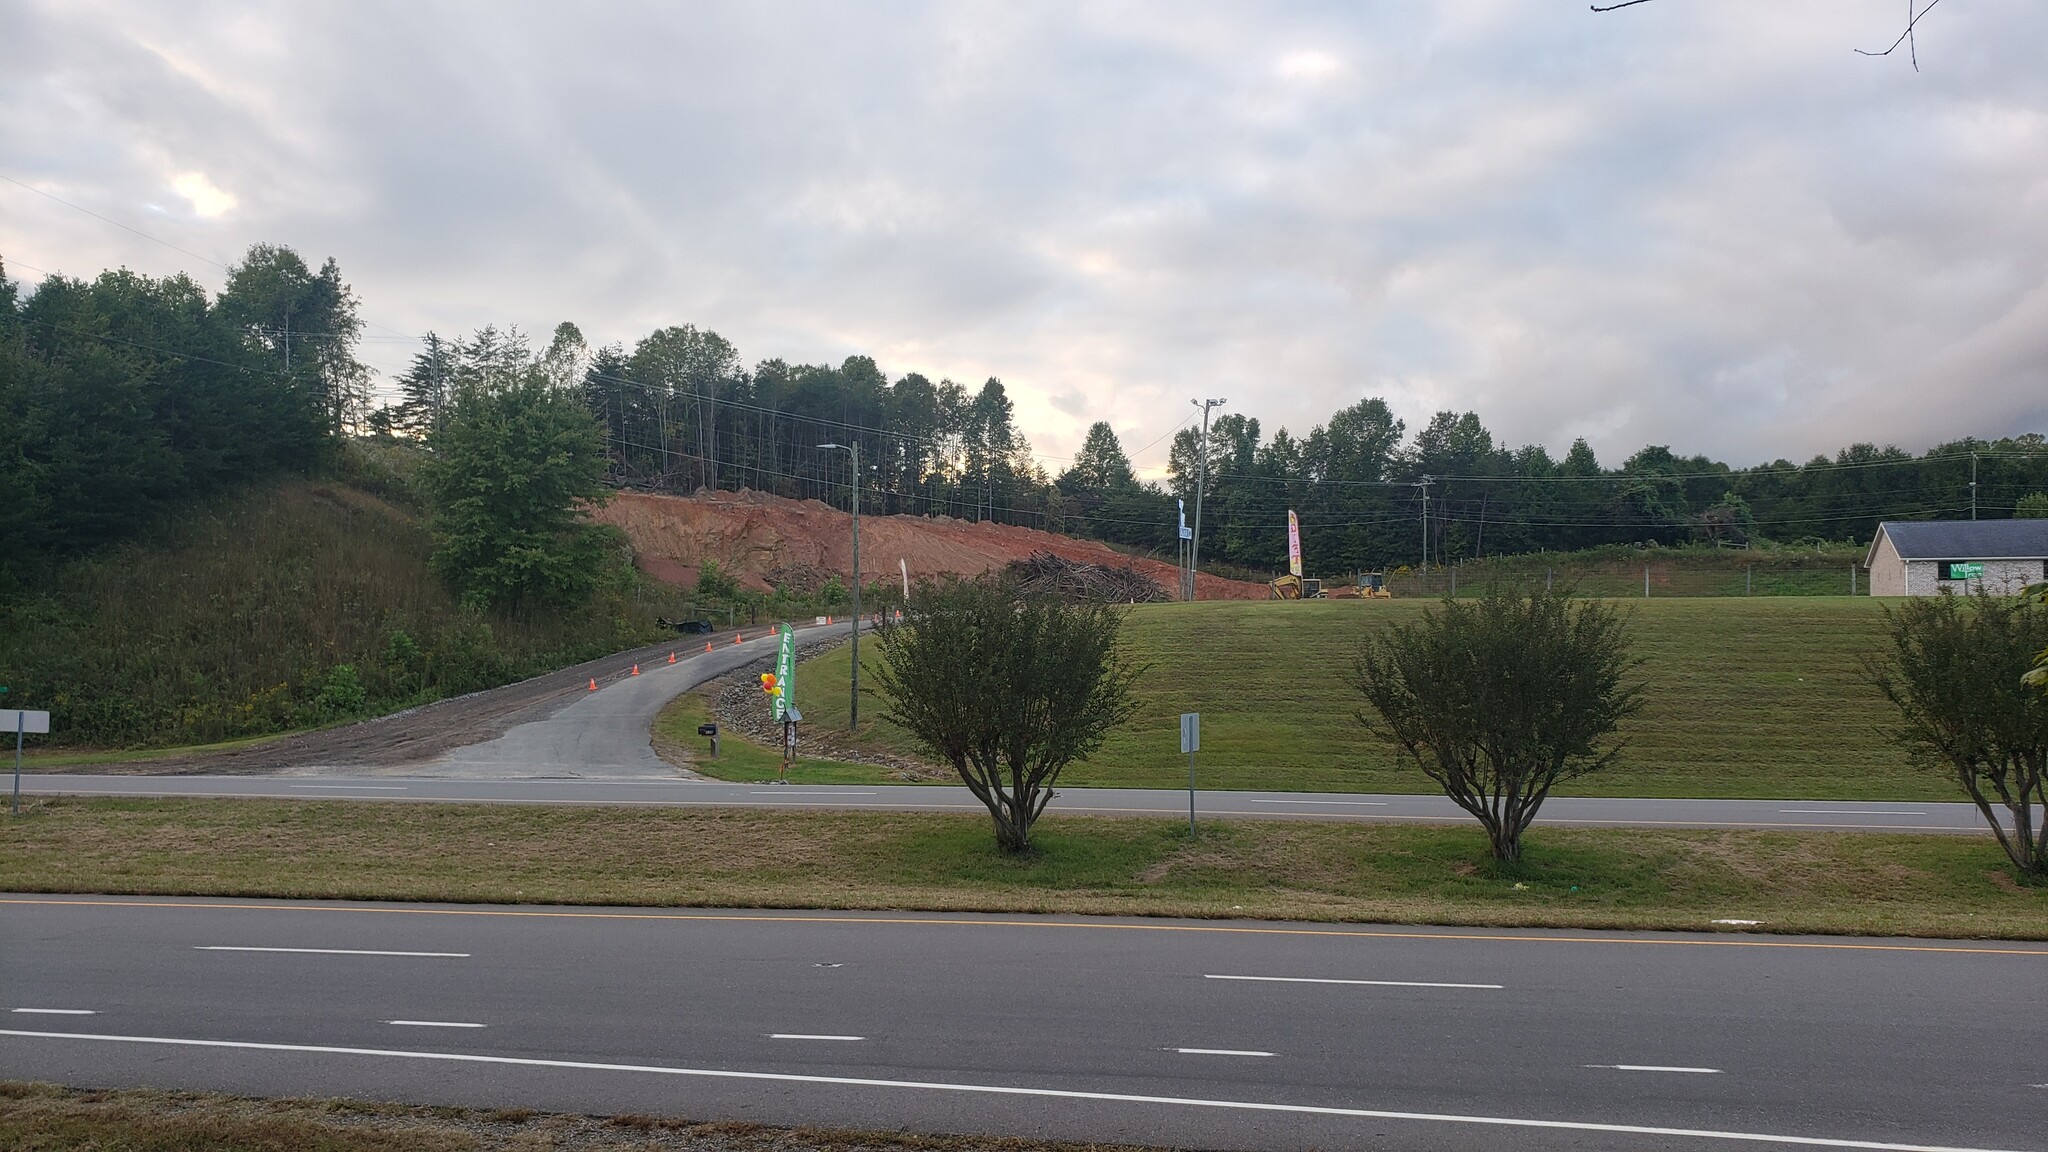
x=1201 y=482
x=1973 y=485
x=853 y=706
x=1424 y=484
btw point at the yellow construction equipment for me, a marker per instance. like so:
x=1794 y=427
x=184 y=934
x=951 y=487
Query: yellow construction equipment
x=1370 y=586
x=1295 y=588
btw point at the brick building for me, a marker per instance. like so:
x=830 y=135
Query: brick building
x=1922 y=557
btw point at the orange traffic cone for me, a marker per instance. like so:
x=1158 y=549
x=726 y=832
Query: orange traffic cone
x=636 y=669
x=671 y=657
x=736 y=637
x=707 y=645
x=593 y=683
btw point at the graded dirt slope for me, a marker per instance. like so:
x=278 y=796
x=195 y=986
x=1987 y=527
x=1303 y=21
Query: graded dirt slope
x=765 y=540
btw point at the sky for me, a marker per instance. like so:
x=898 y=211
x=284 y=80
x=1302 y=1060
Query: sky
x=1703 y=223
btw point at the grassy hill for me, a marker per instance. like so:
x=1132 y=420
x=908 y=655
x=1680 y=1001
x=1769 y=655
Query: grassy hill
x=232 y=619
x=1747 y=697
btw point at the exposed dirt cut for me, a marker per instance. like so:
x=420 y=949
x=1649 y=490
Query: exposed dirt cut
x=759 y=538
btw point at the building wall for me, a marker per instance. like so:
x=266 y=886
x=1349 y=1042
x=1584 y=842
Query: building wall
x=1888 y=575
x=2001 y=577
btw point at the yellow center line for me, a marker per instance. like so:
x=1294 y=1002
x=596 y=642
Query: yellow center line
x=995 y=923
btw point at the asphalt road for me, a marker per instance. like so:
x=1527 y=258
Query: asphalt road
x=604 y=734
x=1789 y=814
x=1210 y=1035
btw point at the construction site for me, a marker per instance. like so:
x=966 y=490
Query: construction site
x=766 y=542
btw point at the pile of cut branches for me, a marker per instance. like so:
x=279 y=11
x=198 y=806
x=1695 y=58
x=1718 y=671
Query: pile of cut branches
x=1047 y=574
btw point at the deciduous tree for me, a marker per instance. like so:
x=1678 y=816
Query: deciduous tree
x=1007 y=691
x=1500 y=699
x=1955 y=668
x=514 y=465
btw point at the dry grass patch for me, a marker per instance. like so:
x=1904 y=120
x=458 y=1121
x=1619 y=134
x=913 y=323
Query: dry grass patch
x=47 y=1118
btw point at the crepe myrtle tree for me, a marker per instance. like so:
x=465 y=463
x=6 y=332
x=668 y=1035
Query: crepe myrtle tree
x=1499 y=699
x=1008 y=690
x=1961 y=672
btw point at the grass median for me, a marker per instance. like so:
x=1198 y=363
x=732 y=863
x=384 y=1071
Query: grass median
x=46 y=1118
x=1819 y=882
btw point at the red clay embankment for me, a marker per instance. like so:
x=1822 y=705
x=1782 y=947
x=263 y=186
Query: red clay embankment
x=763 y=540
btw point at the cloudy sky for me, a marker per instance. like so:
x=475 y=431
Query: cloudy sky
x=1707 y=223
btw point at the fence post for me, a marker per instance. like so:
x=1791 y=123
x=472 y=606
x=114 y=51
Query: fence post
x=1646 y=581
x=1748 y=578
x=1852 y=579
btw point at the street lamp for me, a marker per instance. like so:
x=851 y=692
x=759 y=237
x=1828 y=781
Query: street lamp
x=853 y=708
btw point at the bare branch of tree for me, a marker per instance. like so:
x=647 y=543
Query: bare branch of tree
x=1907 y=38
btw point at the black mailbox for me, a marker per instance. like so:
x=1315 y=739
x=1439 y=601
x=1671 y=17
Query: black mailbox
x=707 y=729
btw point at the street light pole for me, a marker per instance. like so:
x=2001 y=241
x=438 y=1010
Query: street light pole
x=1201 y=482
x=853 y=705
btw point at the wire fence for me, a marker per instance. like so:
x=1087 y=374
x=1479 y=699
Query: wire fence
x=1765 y=576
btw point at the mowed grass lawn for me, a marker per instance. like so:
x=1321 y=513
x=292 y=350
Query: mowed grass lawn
x=1820 y=882
x=1760 y=697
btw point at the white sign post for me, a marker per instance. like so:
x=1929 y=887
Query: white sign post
x=1190 y=743
x=22 y=722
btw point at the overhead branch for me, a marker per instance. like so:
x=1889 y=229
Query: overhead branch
x=1907 y=37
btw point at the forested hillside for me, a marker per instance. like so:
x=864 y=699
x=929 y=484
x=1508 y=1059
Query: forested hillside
x=197 y=542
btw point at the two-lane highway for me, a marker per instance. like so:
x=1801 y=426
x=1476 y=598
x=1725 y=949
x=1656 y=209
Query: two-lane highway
x=1226 y=1035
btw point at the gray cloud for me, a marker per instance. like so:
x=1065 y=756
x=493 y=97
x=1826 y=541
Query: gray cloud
x=1709 y=225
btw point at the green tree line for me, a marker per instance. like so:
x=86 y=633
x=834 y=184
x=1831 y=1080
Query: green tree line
x=679 y=412
x=123 y=397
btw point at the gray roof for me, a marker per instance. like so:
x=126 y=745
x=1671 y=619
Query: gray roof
x=1968 y=539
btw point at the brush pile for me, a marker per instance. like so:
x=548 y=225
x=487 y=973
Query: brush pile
x=1046 y=574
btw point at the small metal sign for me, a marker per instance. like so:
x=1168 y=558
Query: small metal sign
x=22 y=720
x=1191 y=732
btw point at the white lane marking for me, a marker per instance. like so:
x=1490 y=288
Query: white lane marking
x=1008 y=1090
x=1216 y=1052
x=1652 y=1068
x=794 y=795
x=432 y=1024
x=56 y=1011
x=353 y=787
x=1333 y=803
x=1847 y=812
x=322 y=951
x=809 y=1036
x=1375 y=983
x=1740 y=923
